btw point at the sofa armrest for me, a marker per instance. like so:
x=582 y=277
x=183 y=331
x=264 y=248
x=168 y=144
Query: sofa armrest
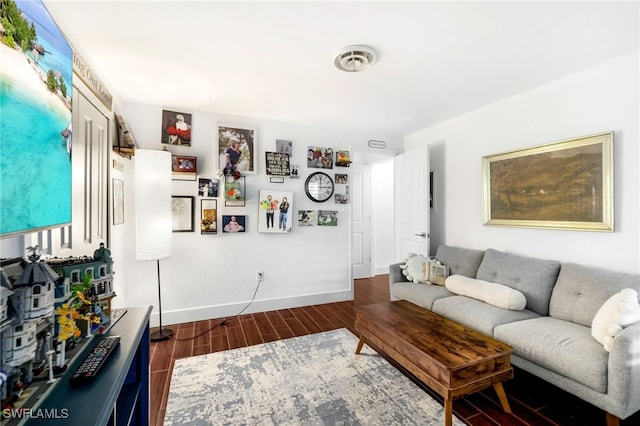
x=395 y=274
x=624 y=371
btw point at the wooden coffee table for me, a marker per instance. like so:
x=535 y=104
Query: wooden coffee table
x=450 y=358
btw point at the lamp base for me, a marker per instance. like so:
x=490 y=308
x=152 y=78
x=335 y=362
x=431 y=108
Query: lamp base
x=160 y=335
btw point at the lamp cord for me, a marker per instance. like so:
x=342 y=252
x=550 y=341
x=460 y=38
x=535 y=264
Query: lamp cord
x=224 y=322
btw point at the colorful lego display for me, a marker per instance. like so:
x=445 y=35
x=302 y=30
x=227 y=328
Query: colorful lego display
x=44 y=305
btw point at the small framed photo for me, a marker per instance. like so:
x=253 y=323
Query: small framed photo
x=237 y=149
x=234 y=223
x=234 y=191
x=295 y=171
x=327 y=218
x=319 y=157
x=306 y=217
x=208 y=216
x=342 y=178
x=284 y=146
x=277 y=164
x=208 y=187
x=182 y=213
x=184 y=167
x=341 y=198
x=343 y=159
x=176 y=128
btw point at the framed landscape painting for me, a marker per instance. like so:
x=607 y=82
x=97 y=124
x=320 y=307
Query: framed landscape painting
x=563 y=185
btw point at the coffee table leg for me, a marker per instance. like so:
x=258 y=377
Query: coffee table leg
x=502 y=396
x=360 y=344
x=448 y=412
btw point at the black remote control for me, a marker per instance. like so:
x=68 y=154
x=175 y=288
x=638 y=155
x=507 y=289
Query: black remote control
x=95 y=360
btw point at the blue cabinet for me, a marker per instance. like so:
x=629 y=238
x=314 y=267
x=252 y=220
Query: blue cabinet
x=119 y=395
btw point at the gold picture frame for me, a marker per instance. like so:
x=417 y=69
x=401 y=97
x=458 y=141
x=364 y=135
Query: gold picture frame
x=562 y=185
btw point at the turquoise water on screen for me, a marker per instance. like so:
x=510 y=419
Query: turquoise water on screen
x=35 y=169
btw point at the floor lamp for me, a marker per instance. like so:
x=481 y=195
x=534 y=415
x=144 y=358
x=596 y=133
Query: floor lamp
x=153 y=215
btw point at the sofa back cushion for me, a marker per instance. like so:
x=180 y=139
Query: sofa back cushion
x=461 y=261
x=581 y=290
x=533 y=277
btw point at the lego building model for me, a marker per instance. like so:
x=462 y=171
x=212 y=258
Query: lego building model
x=45 y=306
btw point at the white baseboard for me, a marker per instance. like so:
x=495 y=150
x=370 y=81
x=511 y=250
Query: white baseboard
x=220 y=311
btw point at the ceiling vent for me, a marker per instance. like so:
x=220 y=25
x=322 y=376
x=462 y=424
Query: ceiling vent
x=355 y=58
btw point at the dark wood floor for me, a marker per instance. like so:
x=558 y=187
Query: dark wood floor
x=533 y=401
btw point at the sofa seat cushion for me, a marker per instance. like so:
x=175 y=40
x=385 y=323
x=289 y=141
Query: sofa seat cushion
x=535 y=278
x=563 y=347
x=476 y=314
x=419 y=294
x=461 y=261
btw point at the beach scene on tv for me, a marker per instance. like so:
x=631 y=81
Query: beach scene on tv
x=35 y=124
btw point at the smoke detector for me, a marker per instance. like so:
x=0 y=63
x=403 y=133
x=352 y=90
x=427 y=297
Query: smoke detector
x=355 y=58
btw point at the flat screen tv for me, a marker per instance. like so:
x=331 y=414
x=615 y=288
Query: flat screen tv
x=35 y=124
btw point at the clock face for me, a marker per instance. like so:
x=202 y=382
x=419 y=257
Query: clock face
x=319 y=187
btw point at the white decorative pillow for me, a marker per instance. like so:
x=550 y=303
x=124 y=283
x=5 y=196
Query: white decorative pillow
x=493 y=293
x=416 y=268
x=438 y=272
x=619 y=311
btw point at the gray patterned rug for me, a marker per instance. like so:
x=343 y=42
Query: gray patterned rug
x=309 y=380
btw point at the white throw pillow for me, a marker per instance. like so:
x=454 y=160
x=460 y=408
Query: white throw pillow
x=438 y=272
x=619 y=311
x=495 y=294
x=416 y=268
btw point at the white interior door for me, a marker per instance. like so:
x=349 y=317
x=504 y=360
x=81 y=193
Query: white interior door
x=411 y=203
x=90 y=175
x=360 y=193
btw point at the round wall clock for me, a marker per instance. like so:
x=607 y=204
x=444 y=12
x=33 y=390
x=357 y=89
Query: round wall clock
x=319 y=187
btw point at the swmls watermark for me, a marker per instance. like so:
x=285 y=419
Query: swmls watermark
x=38 y=413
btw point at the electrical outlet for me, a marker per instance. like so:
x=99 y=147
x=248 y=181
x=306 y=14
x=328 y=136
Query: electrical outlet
x=259 y=275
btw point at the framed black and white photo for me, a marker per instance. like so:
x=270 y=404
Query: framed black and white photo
x=182 y=207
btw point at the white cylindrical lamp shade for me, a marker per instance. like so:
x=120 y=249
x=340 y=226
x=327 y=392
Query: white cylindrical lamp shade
x=153 y=204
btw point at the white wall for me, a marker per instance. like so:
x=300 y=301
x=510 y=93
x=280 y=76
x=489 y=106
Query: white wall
x=602 y=98
x=382 y=216
x=214 y=275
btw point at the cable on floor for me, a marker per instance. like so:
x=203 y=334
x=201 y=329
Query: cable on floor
x=226 y=320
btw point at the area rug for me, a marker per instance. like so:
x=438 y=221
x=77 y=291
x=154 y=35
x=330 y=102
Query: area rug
x=310 y=380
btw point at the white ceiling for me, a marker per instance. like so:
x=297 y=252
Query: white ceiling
x=274 y=60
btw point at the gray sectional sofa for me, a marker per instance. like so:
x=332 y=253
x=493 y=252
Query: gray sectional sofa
x=551 y=337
